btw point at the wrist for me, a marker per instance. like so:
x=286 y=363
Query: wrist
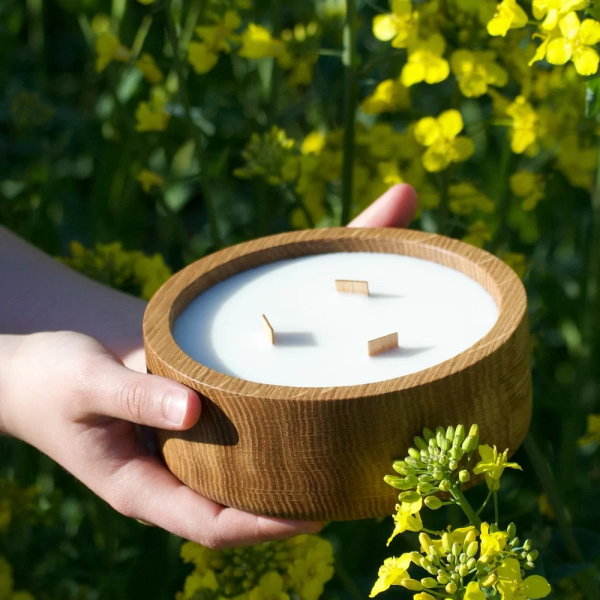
x=9 y=345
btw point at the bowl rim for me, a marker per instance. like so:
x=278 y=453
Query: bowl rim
x=496 y=277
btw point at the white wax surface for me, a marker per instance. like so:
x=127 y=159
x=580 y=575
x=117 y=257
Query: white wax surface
x=321 y=335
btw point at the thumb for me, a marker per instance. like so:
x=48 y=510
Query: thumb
x=143 y=399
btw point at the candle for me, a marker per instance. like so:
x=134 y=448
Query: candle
x=321 y=334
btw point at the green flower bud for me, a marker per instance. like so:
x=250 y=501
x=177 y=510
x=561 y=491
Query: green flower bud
x=523 y=555
x=469 y=444
x=432 y=570
x=420 y=443
x=494 y=528
x=442 y=577
x=399 y=466
x=456 y=452
x=419 y=464
x=474 y=431
x=452 y=465
x=427 y=434
x=471 y=536
x=428 y=582
x=424 y=455
x=462 y=559
x=426 y=478
x=463 y=570
x=471 y=563
x=415 y=557
x=433 y=502
x=472 y=549
x=424 y=562
x=411 y=480
x=424 y=488
x=528 y=566
x=445 y=485
x=528 y=545
x=451 y=588
x=445 y=445
x=489 y=581
x=514 y=542
x=459 y=435
x=437 y=474
x=443 y=460
x=455 y=577
x=511 y=530
x=410 y=461
x=396 y=482
x=450 y=433
x=440 y=436
x=409 y=497
x=411 y=584
x=484 y=560
x=532 y=556
x=447 y=542
x=456 y=549
x=414 y=453
x=464 y=476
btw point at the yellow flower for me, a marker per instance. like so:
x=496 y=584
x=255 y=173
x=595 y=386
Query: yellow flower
x=217 y=37
x=465 y=197
x=310 y=573
x=509 y=15
x=389 y=173
x=593 y=431
x=152 y=116
x=399 y=26
x=149 y=68
x=109 y=48
x=478 y=234
x=197 y=581
x=473 y=592
x=426 y=62
x=528 y=186
x=201 y=57
x=553 y=9
x=492 y=543
x=440 y=137
x=476 y=70
x=389 y=96
x=392 y=572
x=407 y=518
x=382 y=140
x=257 y=42
x=191 y=552
x=148 y=179
x=524 y=125
x=544 y=506
x=270 y=587
x=513 y=587
x=423 y=596
x=492 y=464
x=457 y=536
x=577 y=162
x=313 y=143
x=574 y=44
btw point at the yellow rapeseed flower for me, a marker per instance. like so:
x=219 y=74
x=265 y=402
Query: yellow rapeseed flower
x=574 y=43
x=524 y=125
x=399 y=26
x=492 y=543
x=218 y=37
x=392 y=572
x=313 y=143
x=473 y=592
x=444 y=145
x=426 y=62
x=257 y=42
x=202 y=57
x=577 y=161
x=149 y=68
x=492 y=465
x=509 y=15
x=528 y=186
x=475 y=71
x=148 y=179
x=478 y=234
x=465 y=198
x=593 y=431
x=512 y=587
x=270 y=587
x=552 y=10
x=407 y=518
x=152 y=116
x=109 y=48
x=389 y=96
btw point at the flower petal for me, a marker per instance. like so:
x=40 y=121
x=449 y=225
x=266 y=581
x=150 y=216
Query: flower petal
x=384 y=27
x=427 y=131
x=451 y=123
x=589 y=32
x=535 y=587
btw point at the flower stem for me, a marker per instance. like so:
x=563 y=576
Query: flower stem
x=194 y=130
x=487 y=499
x=350 y=61
x=465 y=506
x=496 y=517
x=504 y=196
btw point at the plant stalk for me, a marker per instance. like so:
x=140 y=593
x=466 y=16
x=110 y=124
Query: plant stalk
x=350 y=61
x=465 y=506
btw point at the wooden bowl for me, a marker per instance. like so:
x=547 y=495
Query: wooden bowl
x=321 y=453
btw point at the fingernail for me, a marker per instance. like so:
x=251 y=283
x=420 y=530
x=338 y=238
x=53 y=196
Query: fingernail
x=176 y=407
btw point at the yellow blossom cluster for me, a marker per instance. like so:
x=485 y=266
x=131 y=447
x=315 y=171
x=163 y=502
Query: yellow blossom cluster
x=111 y=264
x=300 y=566
x=7 y=591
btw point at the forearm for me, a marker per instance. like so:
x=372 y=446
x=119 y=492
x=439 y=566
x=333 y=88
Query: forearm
x=37 y=293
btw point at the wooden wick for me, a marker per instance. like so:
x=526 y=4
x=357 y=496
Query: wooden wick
x=354 y=287
x=268 y=329
x=383 y=344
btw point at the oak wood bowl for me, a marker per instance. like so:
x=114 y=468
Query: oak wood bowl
x=321 y=453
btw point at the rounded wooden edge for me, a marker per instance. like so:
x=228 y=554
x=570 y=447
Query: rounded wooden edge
x=170 y=300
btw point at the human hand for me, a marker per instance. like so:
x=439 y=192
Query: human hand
x=72 y=398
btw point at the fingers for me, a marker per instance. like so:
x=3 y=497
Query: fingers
x=148 y=492
x=116 y=391
x=396 y=208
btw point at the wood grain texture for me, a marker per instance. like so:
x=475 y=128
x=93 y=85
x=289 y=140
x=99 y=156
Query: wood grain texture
x=321 y=453
x=382 y=344
x=352 y=287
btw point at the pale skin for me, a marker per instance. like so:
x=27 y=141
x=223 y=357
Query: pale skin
x=73 y=384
